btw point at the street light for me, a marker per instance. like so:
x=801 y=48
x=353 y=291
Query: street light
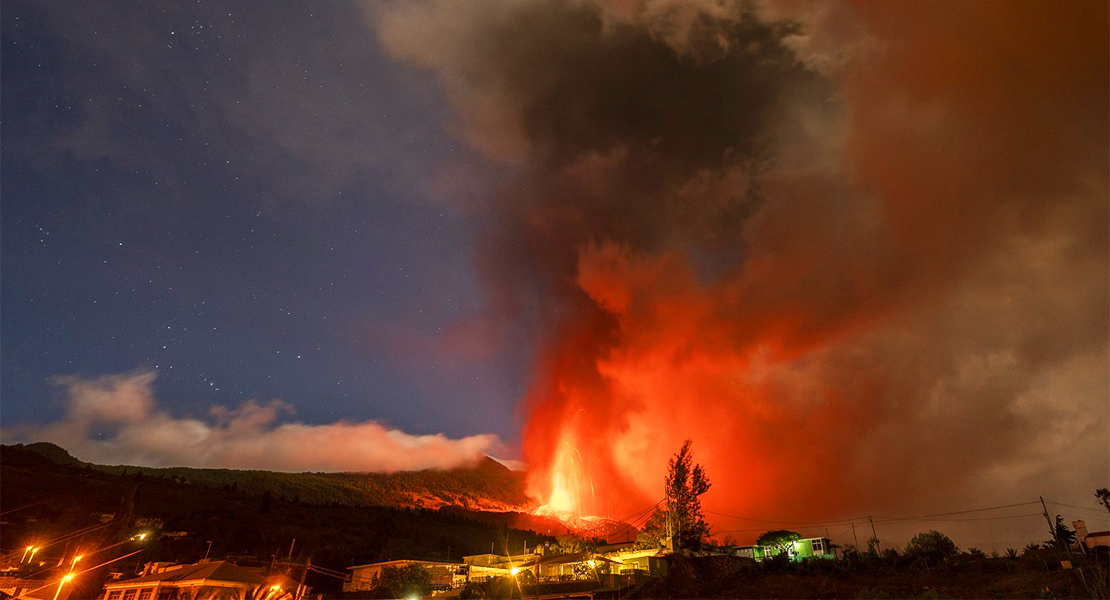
x=64 y=579
x=75 y=559
x=33 y=551
x=24 y=557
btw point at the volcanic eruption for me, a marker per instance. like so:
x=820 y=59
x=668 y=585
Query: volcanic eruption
x=800 y=243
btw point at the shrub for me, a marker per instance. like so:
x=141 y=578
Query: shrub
x=932 y=546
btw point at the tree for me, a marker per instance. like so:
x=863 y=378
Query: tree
x=1062 y=537
x=781 y=539
x=931 y=545
x=404 y=582
x=571 y=544
x=681 y=517
x=1103 y=496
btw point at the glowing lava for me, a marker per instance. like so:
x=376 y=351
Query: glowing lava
x=568 y=479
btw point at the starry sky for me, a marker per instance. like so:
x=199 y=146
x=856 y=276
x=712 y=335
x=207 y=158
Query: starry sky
x=245 y=202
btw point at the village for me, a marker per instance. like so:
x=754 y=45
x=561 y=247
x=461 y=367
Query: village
x=549 y=570
x=570 y=567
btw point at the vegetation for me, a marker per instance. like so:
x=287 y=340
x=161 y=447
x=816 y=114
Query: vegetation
x=255 y=529
x=681 y=518
x=404 y=582
x=1103 y=496
x=781 y=539
x=887 y=575
x=1062 y=536
x=931 y=546
x=572 y=544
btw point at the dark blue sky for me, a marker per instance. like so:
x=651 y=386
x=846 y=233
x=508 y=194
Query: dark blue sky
x=249 y=199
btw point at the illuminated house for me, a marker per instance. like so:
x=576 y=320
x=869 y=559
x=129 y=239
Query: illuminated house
x=800 y=550
x=630 y=561
x=205 y=580
x=444 y=574
x=480 y=567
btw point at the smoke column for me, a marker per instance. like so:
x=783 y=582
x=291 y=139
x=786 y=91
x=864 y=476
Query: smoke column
x=858 y=255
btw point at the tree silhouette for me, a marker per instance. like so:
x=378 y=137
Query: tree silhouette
x=931 y=545
x=781 y=539
x=402 y=582
x=1062 y=537
x=1103 y=496
x=681 y=516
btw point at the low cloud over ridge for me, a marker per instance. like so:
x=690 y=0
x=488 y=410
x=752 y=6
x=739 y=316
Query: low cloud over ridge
x=115 y=419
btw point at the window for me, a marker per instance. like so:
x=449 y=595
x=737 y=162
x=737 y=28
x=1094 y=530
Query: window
x=113 y=595
x=146 y=594
x=129 y=594
x=818 y=547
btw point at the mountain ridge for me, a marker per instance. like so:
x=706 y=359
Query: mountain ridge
x=487 y=485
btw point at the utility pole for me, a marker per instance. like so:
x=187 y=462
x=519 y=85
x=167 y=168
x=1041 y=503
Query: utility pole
x=304 y=575
x=670 y=528
x=854 y=536
x=1052 y=526
x=874 y=535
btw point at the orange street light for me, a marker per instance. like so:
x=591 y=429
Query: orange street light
x=64 y=579
x=33 y=551
x=75 y=559
x=24 y=557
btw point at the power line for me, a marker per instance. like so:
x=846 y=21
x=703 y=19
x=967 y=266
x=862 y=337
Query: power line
x=960 y=512
x=633 y=520
x=22 y=507
x=841 y=521
x=1098 y=510
x=964 y=519
x=765 y=529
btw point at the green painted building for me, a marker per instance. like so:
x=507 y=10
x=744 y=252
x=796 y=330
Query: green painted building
x=799 y=550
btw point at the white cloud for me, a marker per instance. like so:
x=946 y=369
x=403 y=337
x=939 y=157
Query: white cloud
x=115 y=419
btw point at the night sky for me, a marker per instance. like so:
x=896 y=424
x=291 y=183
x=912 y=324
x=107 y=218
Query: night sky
x=242 y=201
x=856 y=251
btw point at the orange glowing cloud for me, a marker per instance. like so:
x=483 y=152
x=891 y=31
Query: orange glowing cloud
x=856 y=251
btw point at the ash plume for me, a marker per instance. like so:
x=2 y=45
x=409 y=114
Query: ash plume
x=857 y=251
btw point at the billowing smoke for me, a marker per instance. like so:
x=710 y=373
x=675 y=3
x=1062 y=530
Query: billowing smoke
x=114 y=419
x=860 y=257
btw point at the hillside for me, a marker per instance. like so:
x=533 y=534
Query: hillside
x=486 y=486
x=45 y=496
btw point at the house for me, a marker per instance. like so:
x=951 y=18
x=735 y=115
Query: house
x=798 y=550
x=448 y=574
x=17 y=587
x=577 y=565
x=1090 y=540
x=149 y=522
x=186 y=582
x=480 y=567
x=628 y=560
